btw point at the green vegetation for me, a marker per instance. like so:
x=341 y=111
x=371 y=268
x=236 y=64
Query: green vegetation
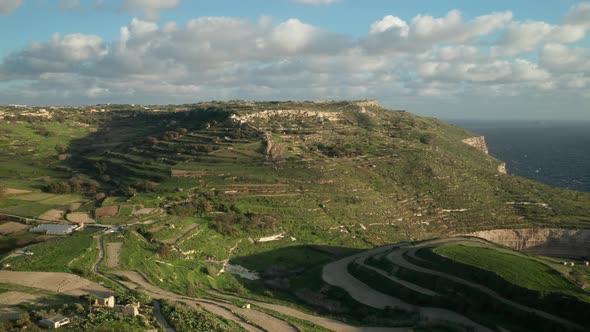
x=200 y=185
x=512 y=267
x=74 y=253
x=184 y=319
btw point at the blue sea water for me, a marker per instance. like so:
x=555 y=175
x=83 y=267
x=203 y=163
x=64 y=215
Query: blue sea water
x=555 y=153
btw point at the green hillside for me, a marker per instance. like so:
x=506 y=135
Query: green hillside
x=280 y=188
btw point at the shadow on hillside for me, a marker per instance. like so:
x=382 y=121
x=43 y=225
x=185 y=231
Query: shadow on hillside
x=293 y=274
x=125 y=144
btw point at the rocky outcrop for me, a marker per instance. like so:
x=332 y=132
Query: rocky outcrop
x=502 y=168
x=555 y=242
x=478 y=142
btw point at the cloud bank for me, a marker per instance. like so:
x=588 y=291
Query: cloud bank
x=434 y=58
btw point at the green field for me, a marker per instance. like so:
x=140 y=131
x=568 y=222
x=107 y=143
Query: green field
x=62 y=254
x=514 y=268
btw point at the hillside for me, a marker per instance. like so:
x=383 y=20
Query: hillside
x=271 y=191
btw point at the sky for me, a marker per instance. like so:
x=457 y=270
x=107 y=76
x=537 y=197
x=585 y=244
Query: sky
x=455 y=59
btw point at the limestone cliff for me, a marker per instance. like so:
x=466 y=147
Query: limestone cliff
x=556 y=242
x=502 y=168
x=478 y=142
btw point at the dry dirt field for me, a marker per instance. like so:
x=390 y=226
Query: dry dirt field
x=12 y=191
x=65 y=283
x=107 y=211
x=9 y=301
x=80 y=218
x=113 y=251
x=12 y=227
x=52 y=215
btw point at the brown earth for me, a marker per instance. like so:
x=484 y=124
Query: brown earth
x=52 y=215
x=57 y=282
x=80 y=218
x=12 y=227
x=113 y=252
x=107 y=211
x=10 y=300
x=13 y=191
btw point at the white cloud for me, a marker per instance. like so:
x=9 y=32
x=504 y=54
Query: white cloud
x=442 y=59
x=8 y=6
x=150 y=8
x=393 y=34
x=579 y=14
x=527 y=36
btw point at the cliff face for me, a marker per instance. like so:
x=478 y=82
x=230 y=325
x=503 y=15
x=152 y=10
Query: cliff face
x=502 y=168
x=566 y=243
x=478 y=142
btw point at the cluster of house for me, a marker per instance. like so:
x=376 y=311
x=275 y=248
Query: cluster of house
x=58 y=321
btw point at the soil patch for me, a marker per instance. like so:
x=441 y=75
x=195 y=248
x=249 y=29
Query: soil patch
x=57 y=282
x=107 y=211
x=9 y=301
x=13 y=191
x=12 y=227
x=80 y=218
x=113 y=251
x=52 y=215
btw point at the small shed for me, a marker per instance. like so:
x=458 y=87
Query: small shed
x=54 y=322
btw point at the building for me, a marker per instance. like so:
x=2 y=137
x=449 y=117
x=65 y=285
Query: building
x=54 y=322
x=129 y=309
x=108 y=302
x=53 y=229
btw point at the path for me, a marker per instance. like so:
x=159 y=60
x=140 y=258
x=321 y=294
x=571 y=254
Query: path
x=337 y=274
x=397 y=258
x=157 y=312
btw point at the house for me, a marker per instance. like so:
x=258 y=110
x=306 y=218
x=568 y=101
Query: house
x=129 y=309
x=107 y=302
x=54 y=322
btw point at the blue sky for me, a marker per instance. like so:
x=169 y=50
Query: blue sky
x=451 y=59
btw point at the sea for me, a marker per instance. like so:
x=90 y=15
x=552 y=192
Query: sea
x=552 y=152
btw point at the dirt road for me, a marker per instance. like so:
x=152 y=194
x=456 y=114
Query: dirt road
x=337 y=274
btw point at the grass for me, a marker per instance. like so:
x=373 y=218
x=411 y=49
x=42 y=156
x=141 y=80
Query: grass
x=57 y=254
x=514 y=268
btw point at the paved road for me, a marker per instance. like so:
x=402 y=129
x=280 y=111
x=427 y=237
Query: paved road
x=337 y=274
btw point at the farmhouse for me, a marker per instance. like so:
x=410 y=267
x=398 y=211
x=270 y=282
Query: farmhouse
x=54 y=322
x=54 y=229
x=108 y=302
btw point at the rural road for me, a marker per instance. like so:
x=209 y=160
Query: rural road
x=101 y=256
x=337 y=274
x=397 y=258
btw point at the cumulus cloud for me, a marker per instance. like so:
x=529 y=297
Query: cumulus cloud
x=426 y=58
x=579 y=14
x=8 y=6
x=393 y=34
x=150 y=8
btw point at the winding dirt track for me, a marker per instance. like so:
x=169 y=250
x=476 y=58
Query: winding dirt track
x=256 y=321
x=397 y=258
x=324 y=322
x=337 y=274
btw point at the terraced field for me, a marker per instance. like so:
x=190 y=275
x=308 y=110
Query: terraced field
x=474 y=287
